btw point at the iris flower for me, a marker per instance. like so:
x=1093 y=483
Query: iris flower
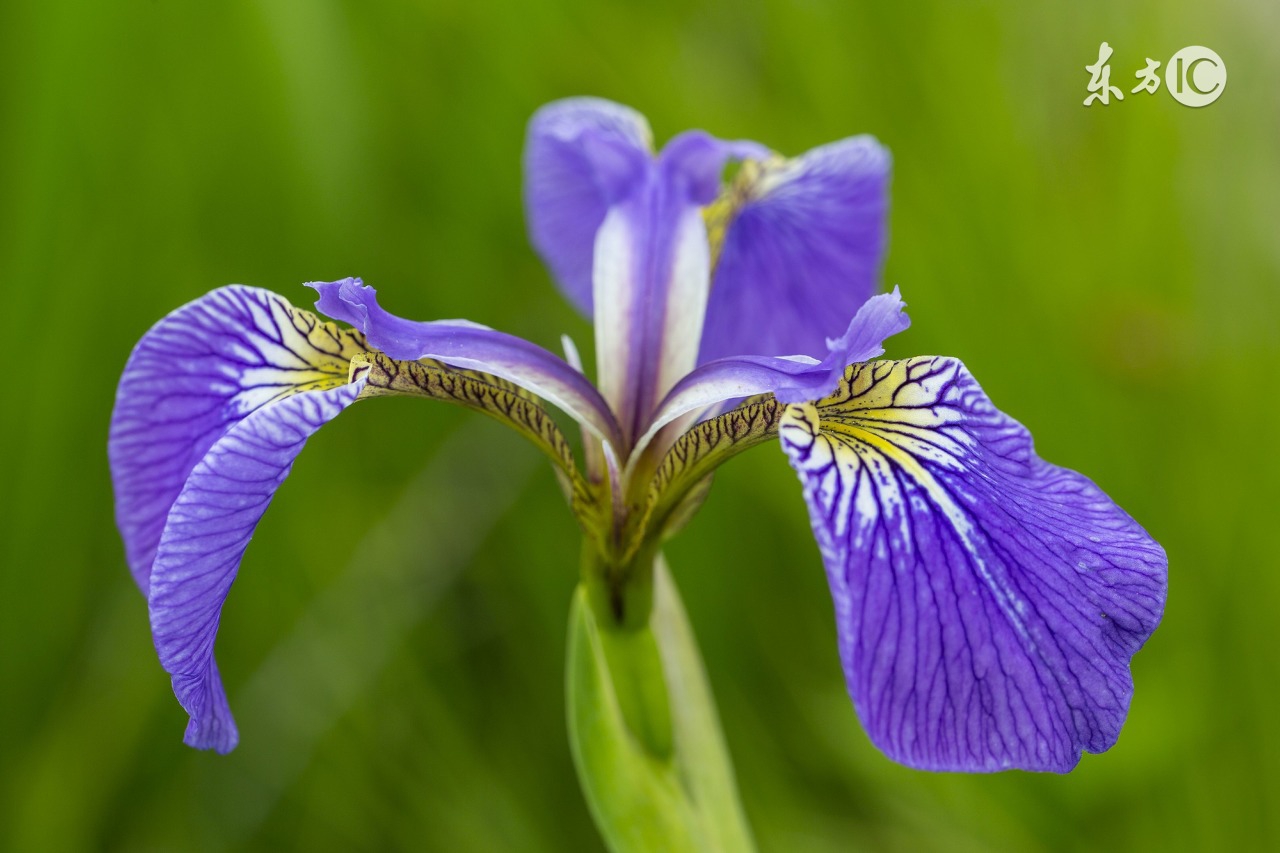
x=987 y=603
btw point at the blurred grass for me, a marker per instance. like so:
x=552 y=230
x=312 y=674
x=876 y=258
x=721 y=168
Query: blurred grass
x=1112 y=275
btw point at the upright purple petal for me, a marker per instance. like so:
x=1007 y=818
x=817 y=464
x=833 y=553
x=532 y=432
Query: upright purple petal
x=579 y=154
x=987 y=602
x=652 y=272
x=205 y=537
x=469 y=346
x=197 y=372
x=789 y=379
x=803 y=249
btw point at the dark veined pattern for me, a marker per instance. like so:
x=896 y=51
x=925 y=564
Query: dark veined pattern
x=197 y=372
x=215 y=403
x=987 y=602
x=698 y=452
x=499 y=399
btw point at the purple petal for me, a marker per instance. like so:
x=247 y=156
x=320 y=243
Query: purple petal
x=579 y=155
x=987 y=602
x=623 y=233
x=191 y=377
x=803 y=250
x=651 y=274
x=204 y=539
x=471 y=347
x=789 y=379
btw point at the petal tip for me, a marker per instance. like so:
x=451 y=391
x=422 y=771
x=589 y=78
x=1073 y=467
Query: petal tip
x=566 y=118
x=221 y=736
x=345 y=300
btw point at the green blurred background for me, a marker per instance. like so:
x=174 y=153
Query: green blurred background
x=394 y=646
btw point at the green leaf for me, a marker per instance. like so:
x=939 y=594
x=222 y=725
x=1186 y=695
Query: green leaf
x=645 y=736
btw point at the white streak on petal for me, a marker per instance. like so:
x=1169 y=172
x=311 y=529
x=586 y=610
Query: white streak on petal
x=614 y=282
x=686 y=304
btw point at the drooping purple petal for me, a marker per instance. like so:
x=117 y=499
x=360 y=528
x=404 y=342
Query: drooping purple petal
x=469 y=346
x=579 y=155
x=790 y=379
x=804 y=248
x=987 y=602
x=192 y=376
x=205 y=537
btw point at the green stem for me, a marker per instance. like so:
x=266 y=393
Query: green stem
x=643 y=727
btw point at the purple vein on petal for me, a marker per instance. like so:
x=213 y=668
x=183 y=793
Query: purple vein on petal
x=205 y=537
x=196 y=373
x=802 y=250
x=987 y=602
